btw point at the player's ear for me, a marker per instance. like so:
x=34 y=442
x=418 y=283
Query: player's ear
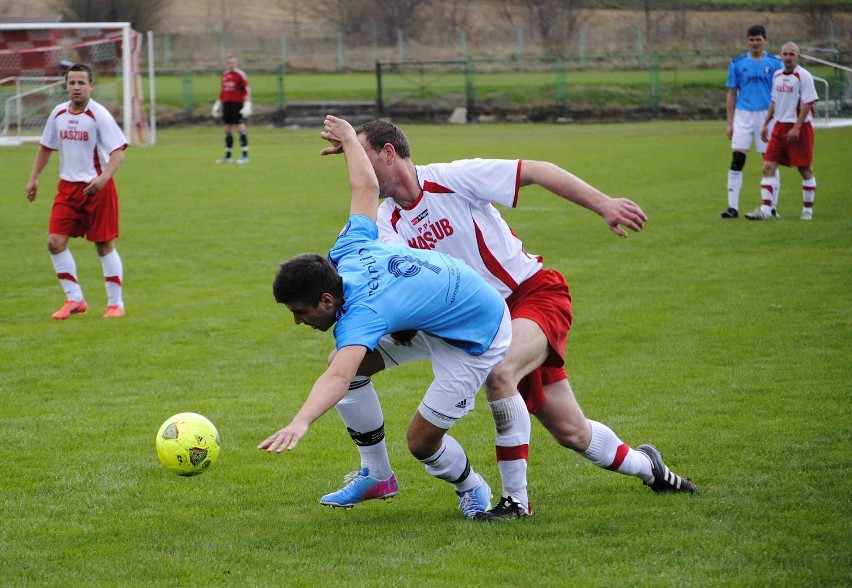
x=389 y=153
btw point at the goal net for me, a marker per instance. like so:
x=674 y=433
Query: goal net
x=33 y=61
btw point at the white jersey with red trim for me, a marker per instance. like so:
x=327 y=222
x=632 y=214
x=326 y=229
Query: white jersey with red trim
x=790 y=91
x=85 y=140
x=453 y=214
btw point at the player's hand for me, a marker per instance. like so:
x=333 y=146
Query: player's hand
x=94 y=186
x=730 y=131
x=621 y=212
x=793 y=135
x=246 y=109
x=287 y=438
x=764 y=134
x=403 y=337
x=336 y=131
x=216 y=111
x=32 y=189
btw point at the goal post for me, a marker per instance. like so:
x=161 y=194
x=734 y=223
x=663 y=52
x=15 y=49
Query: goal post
x=36 y=50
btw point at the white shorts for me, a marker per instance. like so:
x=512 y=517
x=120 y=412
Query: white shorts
x=747 y=126
x=458 y=375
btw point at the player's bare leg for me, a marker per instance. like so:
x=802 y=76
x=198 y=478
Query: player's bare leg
x=562 y=416
x=445 y=459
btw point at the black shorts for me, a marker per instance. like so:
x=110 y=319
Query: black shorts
x=231 y=113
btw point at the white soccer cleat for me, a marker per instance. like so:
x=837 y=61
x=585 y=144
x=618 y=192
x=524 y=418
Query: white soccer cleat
x=807 y=214
x=759 y=214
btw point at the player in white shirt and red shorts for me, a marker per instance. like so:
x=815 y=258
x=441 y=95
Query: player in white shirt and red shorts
x=91 y=147
x=792 y=140
x=448 y=207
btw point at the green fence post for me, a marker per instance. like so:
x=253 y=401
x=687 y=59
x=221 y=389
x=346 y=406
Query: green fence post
x=188 y=98
x=655 y=81
x=470 y=90
x=380 y=105
x=561 y=83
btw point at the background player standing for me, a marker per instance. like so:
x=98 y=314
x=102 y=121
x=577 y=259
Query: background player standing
x=792 y=141
x=233 y=104
x=86 y=202
x=749 y=86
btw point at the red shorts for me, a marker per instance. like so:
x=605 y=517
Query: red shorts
x=75 y=214
x=544 y=299
x=796 y=154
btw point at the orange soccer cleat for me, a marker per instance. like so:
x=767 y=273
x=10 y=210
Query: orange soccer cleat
x=114 y=312
x=70 y=307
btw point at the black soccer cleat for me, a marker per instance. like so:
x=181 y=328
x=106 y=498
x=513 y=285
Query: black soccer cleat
x=730 y=213
x=507 y=508
x=665 y=480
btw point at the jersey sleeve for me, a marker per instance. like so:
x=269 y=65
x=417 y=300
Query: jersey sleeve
x=360 y=325
x=110 y=135
x=50 y=135
x=808 y=89
x=358 y=229
x=732 y=76
x=482 y=181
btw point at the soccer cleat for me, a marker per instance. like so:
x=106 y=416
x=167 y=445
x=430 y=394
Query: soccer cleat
x=730 y=213
x=225 y=160
x=360 y=487
x=807 y=214
x=243 y=160
x=775 y=213
x=113 y=312
x=475 y=500
x=664 y=480
x=507 y=508
x=70 y=307
x=758 y=214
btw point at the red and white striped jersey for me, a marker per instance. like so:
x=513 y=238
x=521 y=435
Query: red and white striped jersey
x=790 y=92
x=235 y=86
x=85 y=140
x=454 y=215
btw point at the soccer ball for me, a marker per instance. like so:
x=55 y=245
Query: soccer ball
x=187 y=444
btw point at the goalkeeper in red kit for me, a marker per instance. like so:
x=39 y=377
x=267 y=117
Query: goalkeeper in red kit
x=234 y=105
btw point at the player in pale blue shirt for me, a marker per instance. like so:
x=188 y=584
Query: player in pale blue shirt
x=749 y=94
x=370 y=289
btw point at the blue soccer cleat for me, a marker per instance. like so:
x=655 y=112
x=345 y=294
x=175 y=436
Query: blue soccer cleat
x=360 y=487
x=475 y=500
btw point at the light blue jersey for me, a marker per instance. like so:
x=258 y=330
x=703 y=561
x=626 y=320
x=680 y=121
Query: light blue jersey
x=752 y=79
x=388 y=288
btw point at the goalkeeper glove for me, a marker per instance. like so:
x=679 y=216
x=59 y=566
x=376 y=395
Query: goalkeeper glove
x=217 y=109
x=246 y=109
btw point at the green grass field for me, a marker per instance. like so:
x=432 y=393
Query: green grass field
x=725 y=343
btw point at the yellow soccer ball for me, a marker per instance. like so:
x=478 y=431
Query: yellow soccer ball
x=187 y=444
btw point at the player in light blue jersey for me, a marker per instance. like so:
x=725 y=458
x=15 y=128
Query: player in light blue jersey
x=749 y=87
x=370 y=289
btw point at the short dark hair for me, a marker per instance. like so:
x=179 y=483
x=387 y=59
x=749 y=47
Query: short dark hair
x=756 y=30
x=381 y=132
x=304 y=279
x=80 y=67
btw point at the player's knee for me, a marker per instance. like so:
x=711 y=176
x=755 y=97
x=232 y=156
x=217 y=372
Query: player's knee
x=738 y=161
x=500 y=383
x=55 y=246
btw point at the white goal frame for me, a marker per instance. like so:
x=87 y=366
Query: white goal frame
x=128 y=114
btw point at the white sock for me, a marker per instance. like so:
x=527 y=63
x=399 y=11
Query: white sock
x=113 y=274
x=735 y=184
x=66 y=271
x=450 y=463
x=768 y=189
x=362 y=414
x=512 y=439
x=808 y=192
x=606 y=450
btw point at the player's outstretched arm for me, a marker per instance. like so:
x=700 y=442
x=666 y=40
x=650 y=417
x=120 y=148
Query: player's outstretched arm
x=616 y=212
x=362 y=178
x=327 y=391
x=42 y=156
